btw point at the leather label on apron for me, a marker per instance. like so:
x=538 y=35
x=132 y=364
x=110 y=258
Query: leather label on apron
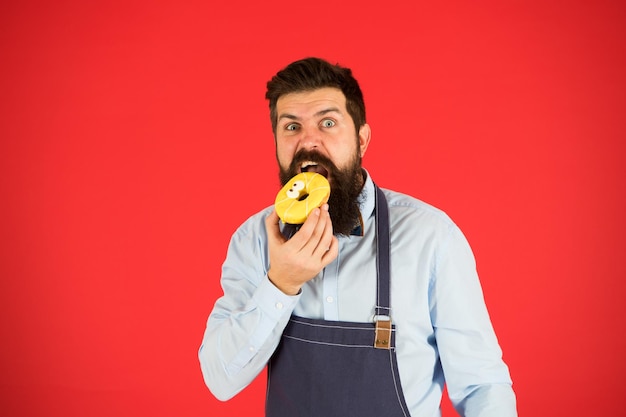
x=382 y=339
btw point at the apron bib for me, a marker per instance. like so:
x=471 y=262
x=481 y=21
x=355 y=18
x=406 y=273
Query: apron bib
x=327 y=368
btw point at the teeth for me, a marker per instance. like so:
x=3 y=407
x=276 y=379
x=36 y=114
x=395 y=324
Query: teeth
x=306 y=164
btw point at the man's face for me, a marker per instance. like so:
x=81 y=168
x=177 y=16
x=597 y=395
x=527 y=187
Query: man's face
x=316 y=123
x=315 y=133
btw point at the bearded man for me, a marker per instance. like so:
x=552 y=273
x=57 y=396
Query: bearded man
x=372 y=305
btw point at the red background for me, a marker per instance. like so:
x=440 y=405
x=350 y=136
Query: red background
x=135 y=138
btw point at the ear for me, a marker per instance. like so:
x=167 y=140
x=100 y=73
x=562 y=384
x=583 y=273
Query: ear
x=365 y=134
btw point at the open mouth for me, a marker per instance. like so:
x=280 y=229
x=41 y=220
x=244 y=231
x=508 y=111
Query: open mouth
x=310 y=166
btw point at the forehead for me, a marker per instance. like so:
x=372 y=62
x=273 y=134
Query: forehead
x=304 y=102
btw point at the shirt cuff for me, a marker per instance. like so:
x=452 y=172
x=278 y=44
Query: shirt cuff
x=275 y=307
x=274 y=303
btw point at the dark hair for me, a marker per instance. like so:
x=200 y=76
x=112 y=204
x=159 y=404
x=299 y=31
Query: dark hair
x=311 y=74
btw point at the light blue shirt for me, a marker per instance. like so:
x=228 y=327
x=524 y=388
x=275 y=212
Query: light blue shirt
x=444 y=333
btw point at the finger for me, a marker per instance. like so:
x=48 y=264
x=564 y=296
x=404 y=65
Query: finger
x=304 y=235
x=325 y=230
x=321 y=235
x=332 y=252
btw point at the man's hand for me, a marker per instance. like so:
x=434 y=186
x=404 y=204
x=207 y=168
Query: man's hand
x=299 y=259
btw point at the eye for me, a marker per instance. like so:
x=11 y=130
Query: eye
x=294 y=191
x=291 y=127
x=298 y=185
x=328 y=123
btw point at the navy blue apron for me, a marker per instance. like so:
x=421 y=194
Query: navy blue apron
x=334 y=368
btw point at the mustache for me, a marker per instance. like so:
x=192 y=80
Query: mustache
x=313 y=156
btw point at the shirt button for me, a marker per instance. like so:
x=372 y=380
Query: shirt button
x=330 y=299
x=251 y=348
x=279 y=305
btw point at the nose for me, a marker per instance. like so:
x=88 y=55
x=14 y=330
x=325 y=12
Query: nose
x=310 y=137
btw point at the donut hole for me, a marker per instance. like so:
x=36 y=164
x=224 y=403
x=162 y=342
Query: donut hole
x=303 y=196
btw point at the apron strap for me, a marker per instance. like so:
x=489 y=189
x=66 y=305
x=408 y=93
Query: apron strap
x=382 y=255
x=382 y=313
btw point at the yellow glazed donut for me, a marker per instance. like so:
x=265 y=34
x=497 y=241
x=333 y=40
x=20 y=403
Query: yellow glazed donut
x=302 y=193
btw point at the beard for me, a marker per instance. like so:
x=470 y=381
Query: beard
x=345 y=187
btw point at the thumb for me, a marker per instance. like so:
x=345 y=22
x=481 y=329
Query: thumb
x=273 y=229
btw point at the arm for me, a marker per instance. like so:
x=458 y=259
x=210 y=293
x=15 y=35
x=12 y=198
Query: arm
x=478 y=380
x=246 y=324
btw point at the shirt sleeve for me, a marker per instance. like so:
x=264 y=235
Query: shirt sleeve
x=246 y=323
x=478 y=380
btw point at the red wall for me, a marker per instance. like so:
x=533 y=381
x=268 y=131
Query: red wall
x=135 y=139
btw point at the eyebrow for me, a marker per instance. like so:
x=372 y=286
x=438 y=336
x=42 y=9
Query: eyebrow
x=318 y=114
